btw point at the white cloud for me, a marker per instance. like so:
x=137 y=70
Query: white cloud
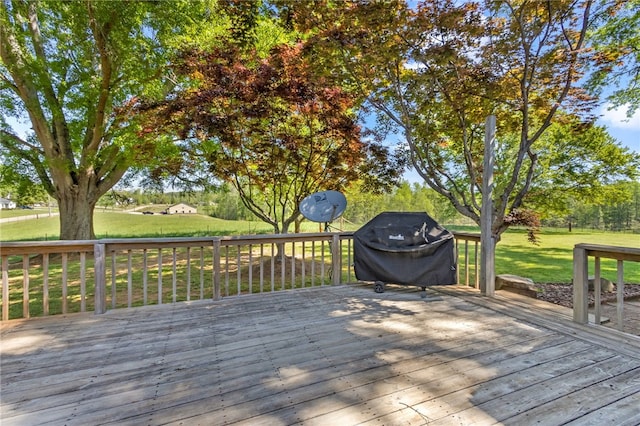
x=617 y=118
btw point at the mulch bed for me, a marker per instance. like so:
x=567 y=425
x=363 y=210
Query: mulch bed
x=562 y=293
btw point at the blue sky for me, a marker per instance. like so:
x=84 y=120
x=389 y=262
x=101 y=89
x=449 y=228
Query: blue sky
x=626 y=131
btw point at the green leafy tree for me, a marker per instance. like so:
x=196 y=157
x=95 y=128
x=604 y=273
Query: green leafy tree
x=20 y=187
x=579 y=164
x=363 y=206
x=615 y=37
x=402 y=199
x=71 y=70
x=228 y=205
x=440 y=68
x=616 y=208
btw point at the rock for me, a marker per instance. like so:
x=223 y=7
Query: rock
x=512 y=281
x=516 y=284
x=605 y=284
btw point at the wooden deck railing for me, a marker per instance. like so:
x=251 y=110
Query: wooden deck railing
x=58 y=277
x=581 y=254
x=467 y=260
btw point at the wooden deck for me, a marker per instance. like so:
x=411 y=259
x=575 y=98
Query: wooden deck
x=340 y=355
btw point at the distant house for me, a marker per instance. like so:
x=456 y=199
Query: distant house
x=7 y=204
x=181 y=208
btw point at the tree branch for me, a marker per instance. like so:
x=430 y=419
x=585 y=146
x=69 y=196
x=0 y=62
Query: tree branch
x=60 y=137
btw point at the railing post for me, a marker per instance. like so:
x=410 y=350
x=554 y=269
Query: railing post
x=216 y=269
x=487 y=239
x=5 y=288
x=620 y=295
x=100 y=287
x=580 y=286
x=336 y=260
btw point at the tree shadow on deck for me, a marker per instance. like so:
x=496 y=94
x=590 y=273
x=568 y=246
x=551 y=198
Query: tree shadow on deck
x=325 y=355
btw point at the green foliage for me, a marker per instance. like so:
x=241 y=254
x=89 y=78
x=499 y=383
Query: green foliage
x=73 y=69
x=20 y=187
x=228 y=205
x=579 y=164
x=616 y=38
x=619 y=210
x=442 y=67
x=363 y=206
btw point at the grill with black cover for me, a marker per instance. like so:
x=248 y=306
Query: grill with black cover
x=408 y=248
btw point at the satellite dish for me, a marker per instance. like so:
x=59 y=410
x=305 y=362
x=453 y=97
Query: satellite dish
x=324 y=206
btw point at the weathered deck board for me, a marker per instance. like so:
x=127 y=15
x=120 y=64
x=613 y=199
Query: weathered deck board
x=331 y=355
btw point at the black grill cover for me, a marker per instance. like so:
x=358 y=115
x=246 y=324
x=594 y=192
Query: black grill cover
x=404 y=248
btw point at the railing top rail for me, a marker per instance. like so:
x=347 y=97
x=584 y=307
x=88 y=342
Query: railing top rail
x=305 y=236
x=30 y=247
x=611 y=252
x=68 y=246
x=60 y=243
x=471 y=236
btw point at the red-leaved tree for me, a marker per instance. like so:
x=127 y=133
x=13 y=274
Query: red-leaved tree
x=272 y=129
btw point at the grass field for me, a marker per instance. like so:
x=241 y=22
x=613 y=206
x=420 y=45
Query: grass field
x=135 y=225
x=4 y=213
x=550 y=261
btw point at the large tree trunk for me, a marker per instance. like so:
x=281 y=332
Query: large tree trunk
x=76 y=215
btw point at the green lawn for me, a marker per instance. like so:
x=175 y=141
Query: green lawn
x=4 y=213
x=552 y=260
x=125 y=225
x=135 y=225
